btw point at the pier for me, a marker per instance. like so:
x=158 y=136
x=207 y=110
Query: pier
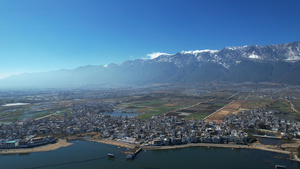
x=131 y=155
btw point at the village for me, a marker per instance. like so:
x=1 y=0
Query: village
x=159 y=130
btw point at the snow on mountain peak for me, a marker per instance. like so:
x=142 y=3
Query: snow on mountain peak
x=235 y=47
x=293 y=58
x=198 y=51
x=156 y=54
x=228 y=55
x=253 y=56
x=231 y=48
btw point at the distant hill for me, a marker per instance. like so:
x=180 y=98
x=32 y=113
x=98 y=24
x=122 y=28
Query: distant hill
x=271 y=63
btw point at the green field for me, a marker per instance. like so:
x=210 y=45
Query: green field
x=296 y=104
x=220 y=104
x=281 y=106
x=156 y=110
x=254 y=104
x=173 y=102
x=151 y=103
x=152 y=106
x=197 y=116
x=22 y=114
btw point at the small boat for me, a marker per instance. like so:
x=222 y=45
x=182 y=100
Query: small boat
x=280 y=166
x=130 y=156
x=110 y=155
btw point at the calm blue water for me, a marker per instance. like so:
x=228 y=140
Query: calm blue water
x=186 y=158
x=268 y=141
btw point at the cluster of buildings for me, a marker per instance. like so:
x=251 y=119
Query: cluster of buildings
x=159 y=130
x=169 y=130
x=30 y=141
x=266 y=120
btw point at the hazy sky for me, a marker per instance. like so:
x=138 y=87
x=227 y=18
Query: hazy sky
x=42 y=35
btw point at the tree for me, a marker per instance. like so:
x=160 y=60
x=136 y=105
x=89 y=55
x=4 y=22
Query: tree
x=252 y=139
x=262 y=125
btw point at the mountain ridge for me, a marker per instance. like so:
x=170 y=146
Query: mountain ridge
x=278 y=63
x=287 y=51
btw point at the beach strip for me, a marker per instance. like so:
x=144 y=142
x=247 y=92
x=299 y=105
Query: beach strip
x=214 y=145
x=111 y=142
x=48 y=147
x=64 y=143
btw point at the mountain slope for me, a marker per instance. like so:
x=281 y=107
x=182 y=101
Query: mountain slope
x=271 y=63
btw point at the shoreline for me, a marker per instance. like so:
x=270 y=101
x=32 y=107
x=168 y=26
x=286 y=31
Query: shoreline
x=64 y=143
x=235 y=146
x=48 y=147
x=232 y=146
x=269 y=148
x=110 y=142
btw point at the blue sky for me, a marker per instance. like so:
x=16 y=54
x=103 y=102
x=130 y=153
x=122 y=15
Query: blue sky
x=43 y=35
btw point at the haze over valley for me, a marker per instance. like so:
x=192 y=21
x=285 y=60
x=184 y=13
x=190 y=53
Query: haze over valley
x=278 y=63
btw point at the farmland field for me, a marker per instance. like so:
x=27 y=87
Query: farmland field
x=232 y=107
x=184 y=103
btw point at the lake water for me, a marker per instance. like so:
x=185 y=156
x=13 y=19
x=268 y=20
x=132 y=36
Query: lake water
x=90 y=155
x=268 y=141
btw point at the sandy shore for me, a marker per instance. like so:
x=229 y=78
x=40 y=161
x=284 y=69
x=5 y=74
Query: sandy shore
x=48 y=147
x=234 y=146
x=64 y=143
x=214 y=145
x=128 y=145
x=111 y=142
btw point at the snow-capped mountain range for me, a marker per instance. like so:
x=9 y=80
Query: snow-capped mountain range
x=271 y=63
x=289 y=52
